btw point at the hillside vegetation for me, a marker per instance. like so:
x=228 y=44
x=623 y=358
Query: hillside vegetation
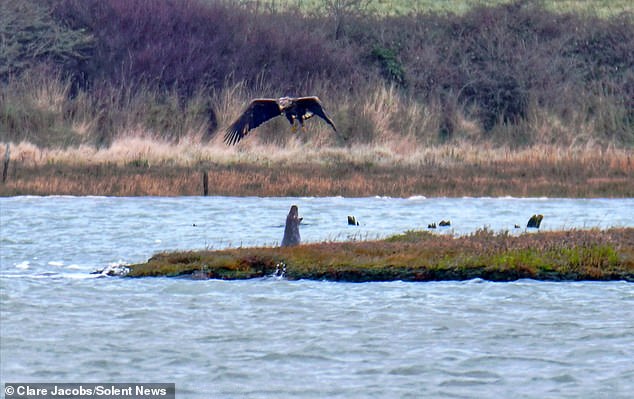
x=603 y=8
x=514 y=74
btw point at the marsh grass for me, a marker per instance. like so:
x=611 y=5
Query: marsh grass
x=37 y=110
x=420 y=256
x=146 y=166
x=141 y=166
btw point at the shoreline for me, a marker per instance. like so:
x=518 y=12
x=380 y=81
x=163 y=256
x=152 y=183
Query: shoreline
x=345 y=179
x=146 y=167
x=417 y=256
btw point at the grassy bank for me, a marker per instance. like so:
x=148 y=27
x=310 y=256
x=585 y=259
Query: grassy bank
x=508 y=73
x=419 y=256
x=113 y=97
x=143 y=167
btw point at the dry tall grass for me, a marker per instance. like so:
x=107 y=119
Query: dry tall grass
x=41 y=110
x=143 y=166
x=190 y=152
x=155 y=143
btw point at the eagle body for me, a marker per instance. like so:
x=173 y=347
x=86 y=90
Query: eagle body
x=261 y=110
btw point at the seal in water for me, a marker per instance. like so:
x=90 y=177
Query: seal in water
x=535 y=221
x=291 y=231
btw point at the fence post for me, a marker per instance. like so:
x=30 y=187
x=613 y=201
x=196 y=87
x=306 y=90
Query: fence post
x=7 y=158
x=205 y=184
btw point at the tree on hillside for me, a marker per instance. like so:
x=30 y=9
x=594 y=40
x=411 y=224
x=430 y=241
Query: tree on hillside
x=340 y=9
x=31 y=37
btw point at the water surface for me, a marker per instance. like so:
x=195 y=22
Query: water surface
x=271 y=338
x=56 y=233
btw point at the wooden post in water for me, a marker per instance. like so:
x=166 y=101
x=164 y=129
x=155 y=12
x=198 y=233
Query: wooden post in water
x=7 y=158
x=205 y=184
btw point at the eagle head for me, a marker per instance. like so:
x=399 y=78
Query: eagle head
x=285 y=102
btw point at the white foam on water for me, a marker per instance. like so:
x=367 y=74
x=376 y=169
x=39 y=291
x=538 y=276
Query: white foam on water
x=24 y=265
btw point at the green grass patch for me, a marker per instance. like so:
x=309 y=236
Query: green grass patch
x=419 y=256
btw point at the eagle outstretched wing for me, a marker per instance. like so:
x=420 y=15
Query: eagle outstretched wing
x=259 y=111
x=312 y=105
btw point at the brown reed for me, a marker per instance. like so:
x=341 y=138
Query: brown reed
x=144 y=167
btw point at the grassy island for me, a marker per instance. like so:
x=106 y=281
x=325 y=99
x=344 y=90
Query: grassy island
x=418 y=256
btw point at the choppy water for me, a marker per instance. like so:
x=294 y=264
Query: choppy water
x=274 y=338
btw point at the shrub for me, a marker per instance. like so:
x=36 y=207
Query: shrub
x=500 y=73
x=31 y=37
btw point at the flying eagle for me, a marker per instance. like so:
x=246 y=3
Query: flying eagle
x=261 y=110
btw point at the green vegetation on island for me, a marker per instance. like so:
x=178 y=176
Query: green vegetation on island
x=418 y=256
